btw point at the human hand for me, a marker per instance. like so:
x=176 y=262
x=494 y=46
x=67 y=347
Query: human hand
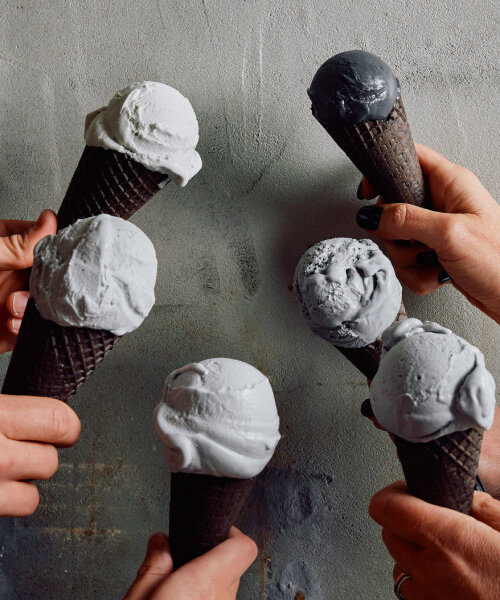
x=17 y=241
x=460 y=239
x=450 y=556
x=212 y=576
x=30 y=428
x=489 y=460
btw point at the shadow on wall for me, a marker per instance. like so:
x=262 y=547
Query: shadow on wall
x=286 y=506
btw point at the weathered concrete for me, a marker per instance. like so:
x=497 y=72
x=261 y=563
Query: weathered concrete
x=272 y=184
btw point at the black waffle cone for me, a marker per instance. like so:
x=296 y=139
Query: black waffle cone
x=202 y=510
x=443 y=471
x=51 y=360
x=107 y=182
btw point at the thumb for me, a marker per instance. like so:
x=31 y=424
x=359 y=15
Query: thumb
x=156 y=566
x=408 y=222
x=486 y=509
x=16 y=250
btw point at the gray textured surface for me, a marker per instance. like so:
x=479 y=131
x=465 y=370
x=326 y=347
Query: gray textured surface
x=272 y=184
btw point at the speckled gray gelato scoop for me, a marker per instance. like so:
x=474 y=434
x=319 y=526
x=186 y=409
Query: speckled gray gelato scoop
x=430 y=383
x=348 y=291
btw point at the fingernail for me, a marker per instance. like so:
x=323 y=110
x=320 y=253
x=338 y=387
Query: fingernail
x=19 y=302
x=368 y=217
x=157 y=543
x=366 y=409
x=443 y=277
x=427 y=259
x=359 y=195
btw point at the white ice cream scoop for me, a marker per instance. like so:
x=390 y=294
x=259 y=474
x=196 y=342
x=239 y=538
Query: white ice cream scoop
x=154 y=124
x=218 y=417
x=430 y=383
x=98 y=273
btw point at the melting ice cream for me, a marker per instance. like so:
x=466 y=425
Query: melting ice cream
x=154 y=124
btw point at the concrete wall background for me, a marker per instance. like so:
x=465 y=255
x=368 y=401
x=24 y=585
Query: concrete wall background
x=272 y=184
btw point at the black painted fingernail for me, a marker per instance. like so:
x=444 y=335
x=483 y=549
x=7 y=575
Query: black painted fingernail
x=359 y=195
x=366 y=409
x=443 y=277
x=368 y=217
x=427 y=259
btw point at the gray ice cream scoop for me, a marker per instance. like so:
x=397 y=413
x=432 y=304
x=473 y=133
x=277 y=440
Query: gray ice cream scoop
x=352 y=87
x=347 y=290
x=430 y=383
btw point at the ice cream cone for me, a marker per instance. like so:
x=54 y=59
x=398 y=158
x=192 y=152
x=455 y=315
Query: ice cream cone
x=384 y=152
x=106 y=181
x=433 y=393
x=90 y=284
x=51 y=360
x=202 y=510
x=443 y=471
x=367 y=359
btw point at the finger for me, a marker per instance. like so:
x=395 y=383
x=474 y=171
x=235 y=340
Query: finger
x=405 y=553
x=18 y=498
x=408 y=222
x=157 y=565
x=16 y=303
x=27 y=460
x=14 y=324
x=417 y=254
x=413 y=519
x=409 y=587
x=486 y=509
x=225 y=563
x=38 y=419
x=365 y=190
x=421 y=280
x=16 y=250
x=11 y=226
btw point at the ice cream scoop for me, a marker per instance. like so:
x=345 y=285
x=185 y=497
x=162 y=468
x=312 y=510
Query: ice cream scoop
x=356 y=97
x=218 y=417
x=99 y=273
x=348 y=291
x=351 y=87
x=219 y=427
x=430 y=383
x=434 y=394
x=152 y=123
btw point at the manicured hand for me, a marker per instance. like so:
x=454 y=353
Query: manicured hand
x=450 y=556
x=17 y=241
x=213 y=576
x=30 y=430
x=459 y=241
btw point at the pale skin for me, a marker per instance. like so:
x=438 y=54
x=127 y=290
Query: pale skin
x=32 y=428
x=213 y=576
x=449 y=556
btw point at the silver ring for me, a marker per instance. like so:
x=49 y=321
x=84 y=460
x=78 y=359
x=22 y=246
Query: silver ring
x=398 y=584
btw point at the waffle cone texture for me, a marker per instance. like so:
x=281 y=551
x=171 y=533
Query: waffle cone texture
x=107 y=182
x=51 y=360
x=202 y=510
x=443 y=471
x=384 y=152
x=367 y=358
